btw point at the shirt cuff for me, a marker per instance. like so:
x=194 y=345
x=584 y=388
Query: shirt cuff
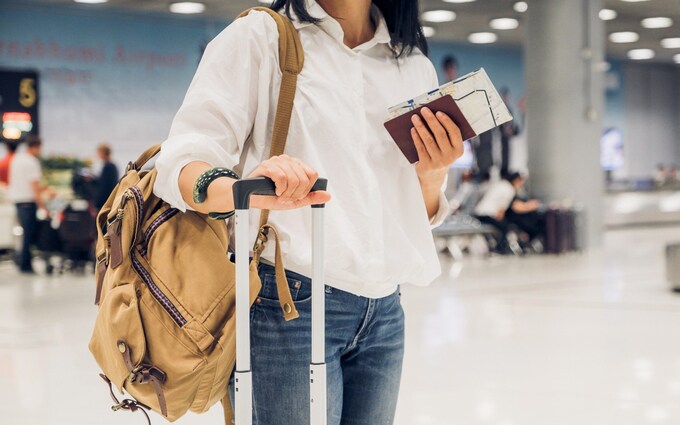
x=442 y=212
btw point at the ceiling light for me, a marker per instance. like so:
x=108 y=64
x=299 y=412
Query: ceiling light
x=634 y=1
x=429 y=31
x=624 y=37
x=671 y=43
x=640 y=54
x=439 y=16
x=482 y=37
x=658 y=22
x=504 y=23
x=187 y=7
x=521 y=6
x=676 y=58
x=91 y=1
x=608 y=14
x=458 y=1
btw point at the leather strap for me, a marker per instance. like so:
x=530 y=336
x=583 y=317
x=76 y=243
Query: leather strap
x=126 y=404
x=124 y=349
x=100 y=271
x=149 y=375
x=144 y=374
x=285 y=298
x=143 y=158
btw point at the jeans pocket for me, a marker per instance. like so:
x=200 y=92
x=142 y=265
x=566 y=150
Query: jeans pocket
x=300 y=290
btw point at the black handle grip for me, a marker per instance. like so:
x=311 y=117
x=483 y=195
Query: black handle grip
x=243 y=189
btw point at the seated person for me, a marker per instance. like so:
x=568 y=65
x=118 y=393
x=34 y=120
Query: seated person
x=493 y=205
x=525 y=214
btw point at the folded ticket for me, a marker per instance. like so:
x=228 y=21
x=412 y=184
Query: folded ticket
x=471 y=101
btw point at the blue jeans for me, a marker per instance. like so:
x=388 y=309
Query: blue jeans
x=364 y=354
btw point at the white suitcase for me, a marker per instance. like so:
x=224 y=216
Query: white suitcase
x=243 y=382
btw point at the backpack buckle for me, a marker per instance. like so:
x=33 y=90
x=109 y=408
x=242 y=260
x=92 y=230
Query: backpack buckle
x=261 y=240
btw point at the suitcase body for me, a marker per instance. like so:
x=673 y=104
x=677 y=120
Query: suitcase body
x=77 y=230
x=47 y=238
x=562 y=230
x=243 y=387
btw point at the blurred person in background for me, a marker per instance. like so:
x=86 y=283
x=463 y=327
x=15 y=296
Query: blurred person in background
x=6 y=160
x=482 y=148
x=108 y=178
x=26 y=191
x=525 y=213
x=509 y=130
x=450 y=66
x=498 y=199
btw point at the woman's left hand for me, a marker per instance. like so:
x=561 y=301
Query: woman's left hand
x=438 y=141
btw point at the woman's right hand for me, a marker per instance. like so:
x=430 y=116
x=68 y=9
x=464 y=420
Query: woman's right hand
x=294 y=180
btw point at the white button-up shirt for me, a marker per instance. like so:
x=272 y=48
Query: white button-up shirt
x=377 y=232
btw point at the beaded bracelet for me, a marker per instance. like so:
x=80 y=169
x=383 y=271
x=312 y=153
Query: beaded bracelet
x=201 y=188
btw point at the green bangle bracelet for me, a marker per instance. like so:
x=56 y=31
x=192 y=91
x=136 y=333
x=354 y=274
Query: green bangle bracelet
x=221 y=216
x=201 y=188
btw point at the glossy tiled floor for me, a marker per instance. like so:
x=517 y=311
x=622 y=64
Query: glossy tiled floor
x=582 y=339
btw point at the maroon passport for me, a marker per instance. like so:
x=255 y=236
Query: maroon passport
x=400 y=127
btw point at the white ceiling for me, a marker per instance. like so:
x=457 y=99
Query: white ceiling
x=472 y=17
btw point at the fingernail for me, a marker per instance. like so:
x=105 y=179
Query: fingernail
x=440 y=114
x=426 y=109
x=415 y=118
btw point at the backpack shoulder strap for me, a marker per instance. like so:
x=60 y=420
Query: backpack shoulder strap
x=143 y=158
x=291 y=61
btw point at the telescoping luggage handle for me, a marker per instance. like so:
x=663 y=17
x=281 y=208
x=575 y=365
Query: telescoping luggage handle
x=243 y=381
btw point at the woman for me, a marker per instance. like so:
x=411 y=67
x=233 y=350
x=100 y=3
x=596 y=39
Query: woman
x=361 y=57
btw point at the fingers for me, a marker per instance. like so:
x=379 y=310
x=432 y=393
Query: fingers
x=437 y=130
x=310 y=174
x=440 y=137
x=292 y=177
x=454 y=135
x=313 y=198
x=272 y=170
x=426 y=136
x=420 y=146
x=278 y=203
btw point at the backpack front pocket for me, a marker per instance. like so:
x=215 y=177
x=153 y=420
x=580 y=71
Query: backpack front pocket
x=118 y=343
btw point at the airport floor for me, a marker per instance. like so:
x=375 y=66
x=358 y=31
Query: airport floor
x=587 y=339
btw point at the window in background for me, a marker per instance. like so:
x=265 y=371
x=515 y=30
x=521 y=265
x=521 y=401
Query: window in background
x=611 y=143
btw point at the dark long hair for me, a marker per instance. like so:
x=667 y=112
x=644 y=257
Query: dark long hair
x=401 y=17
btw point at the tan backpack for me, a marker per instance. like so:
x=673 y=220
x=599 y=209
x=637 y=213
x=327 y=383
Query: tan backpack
x=165 y=332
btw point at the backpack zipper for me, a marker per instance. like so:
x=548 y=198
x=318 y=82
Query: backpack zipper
x=136 y=194
x=163 y=300
x=158 y=221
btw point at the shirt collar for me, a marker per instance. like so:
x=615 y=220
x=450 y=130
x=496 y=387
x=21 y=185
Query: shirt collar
x=331 y=27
